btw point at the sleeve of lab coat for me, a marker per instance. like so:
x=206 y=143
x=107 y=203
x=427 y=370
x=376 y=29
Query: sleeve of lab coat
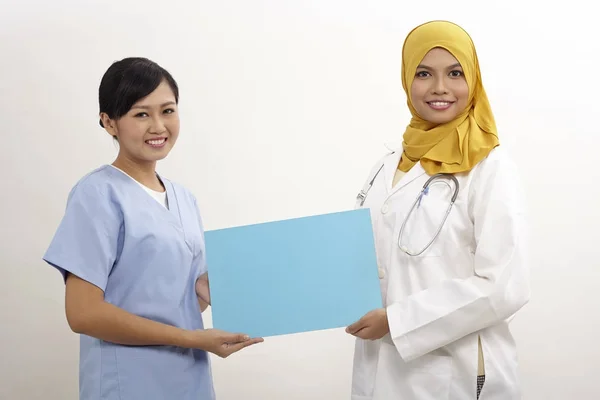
x=440 y=315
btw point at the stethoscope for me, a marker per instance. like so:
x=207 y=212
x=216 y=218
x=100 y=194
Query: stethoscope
x=437 y=178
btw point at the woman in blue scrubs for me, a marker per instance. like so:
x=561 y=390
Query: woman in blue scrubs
x=130 y=248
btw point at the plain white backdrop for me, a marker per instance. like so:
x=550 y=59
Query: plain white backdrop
x=285 y=106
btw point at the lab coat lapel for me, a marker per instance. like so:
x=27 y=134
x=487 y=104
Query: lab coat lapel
x=413 y=174
x=390 y=170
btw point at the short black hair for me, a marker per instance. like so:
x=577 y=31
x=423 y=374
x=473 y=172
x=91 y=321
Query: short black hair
x=129 y=80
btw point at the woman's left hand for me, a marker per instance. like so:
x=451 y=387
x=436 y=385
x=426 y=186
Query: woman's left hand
x=374 y=325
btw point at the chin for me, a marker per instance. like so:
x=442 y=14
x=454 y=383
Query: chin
x=158 y=155
x=440 y=119
x=153 y=158
x=161 y=157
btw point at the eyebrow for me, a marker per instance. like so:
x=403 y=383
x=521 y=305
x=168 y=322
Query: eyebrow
x=168 y=103
x=429 y=68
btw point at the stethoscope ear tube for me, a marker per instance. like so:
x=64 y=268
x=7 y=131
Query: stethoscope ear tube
x=417 y=203
x=362 y=196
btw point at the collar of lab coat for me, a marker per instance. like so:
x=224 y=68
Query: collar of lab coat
x=391 y=164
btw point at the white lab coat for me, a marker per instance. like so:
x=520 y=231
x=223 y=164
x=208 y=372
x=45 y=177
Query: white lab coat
x=469 y=283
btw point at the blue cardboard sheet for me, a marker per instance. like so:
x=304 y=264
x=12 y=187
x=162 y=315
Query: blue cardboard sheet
x=291 y=276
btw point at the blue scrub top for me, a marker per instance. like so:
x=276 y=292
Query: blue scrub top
x=146 y=259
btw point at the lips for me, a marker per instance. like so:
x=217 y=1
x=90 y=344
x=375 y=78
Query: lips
x=440 y=105
x=159 y=142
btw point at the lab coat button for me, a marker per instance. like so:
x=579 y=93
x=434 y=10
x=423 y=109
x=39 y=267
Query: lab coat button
x=385 y=208
x=381 y=273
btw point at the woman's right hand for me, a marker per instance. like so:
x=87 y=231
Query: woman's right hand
x=220 y=343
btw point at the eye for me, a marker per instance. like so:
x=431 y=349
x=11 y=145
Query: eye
x=142 y=114
x=456 y=73
x=422 y=74
x=169 y=111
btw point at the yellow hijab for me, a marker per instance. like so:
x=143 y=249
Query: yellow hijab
x=458 y=145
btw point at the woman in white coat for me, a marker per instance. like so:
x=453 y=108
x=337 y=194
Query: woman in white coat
x=444 y=330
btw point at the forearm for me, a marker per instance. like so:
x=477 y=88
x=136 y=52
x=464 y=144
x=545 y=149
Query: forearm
x=108 y=322
x=434 y=318
x=89 y=314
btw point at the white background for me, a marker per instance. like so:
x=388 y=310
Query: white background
x=285 y=106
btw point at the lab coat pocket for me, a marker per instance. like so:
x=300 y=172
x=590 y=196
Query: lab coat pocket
x=430 y=376
x=364 y=371
x=420 y=231
x=433 y=382
x=426 y=377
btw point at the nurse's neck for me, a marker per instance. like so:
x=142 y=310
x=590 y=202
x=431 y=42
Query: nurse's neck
x=144 y=173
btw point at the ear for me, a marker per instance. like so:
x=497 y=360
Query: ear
x=108 y=124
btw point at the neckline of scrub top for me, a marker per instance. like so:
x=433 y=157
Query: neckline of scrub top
x=173 y=209
x=138 y=182
x=161 y=197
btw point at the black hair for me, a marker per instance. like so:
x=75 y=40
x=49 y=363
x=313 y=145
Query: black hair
x=129 y=80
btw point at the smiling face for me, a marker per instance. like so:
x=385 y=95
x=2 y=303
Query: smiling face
x=439 y=90
x=149 y=130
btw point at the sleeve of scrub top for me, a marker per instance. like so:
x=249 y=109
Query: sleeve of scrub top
x=85 y=243
x=440 y=315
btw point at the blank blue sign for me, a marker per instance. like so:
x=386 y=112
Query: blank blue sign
x=291 y=276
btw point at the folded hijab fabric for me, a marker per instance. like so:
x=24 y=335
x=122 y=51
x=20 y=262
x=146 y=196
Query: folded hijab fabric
x=458 y=145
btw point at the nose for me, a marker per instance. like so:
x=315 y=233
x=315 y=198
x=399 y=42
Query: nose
x=158 y=125
x=439 y=86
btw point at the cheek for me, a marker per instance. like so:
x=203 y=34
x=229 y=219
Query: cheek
x=173 y=127
x=130 y=130
x=462 y=92
x=418 y=91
